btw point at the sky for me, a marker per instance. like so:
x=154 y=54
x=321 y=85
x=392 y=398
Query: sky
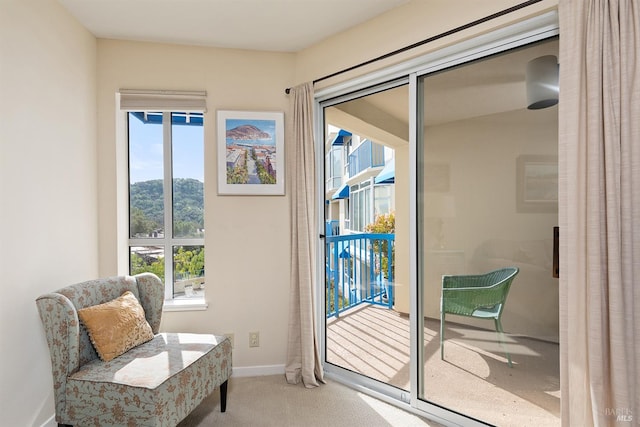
x=145 y=162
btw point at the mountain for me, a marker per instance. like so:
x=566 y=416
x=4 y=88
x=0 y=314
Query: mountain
x=188 y=200
x=247 y=132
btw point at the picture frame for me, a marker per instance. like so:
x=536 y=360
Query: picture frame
x=537 y=184
x=250 y=152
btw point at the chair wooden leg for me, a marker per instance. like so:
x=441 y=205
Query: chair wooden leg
x=223 y=396
x=501 y=339
x=442 y=336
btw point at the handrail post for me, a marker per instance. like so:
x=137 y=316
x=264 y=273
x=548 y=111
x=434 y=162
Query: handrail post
x=390 y=243
x=336 y=276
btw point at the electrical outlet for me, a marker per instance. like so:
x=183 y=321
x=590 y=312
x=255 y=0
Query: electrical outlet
x=254 y=339
x=232 y=338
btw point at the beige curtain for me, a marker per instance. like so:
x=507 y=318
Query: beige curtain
x=600 y=212
x=303 y=357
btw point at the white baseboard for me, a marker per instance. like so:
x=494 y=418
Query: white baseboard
x=241 y=371
x=257 y=371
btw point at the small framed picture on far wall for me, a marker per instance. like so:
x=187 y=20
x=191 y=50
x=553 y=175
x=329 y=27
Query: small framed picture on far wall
x=250 y=153
x=536 y=184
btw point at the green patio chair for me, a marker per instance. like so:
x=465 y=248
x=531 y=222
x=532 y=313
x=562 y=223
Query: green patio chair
x=481 y=296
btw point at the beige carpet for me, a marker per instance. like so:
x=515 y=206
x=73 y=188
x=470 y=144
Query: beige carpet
x=270 y=401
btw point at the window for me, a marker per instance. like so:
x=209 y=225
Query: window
x=335 y=168
x=363 y=209
x=166 y=199
x=383 y=200
x=361 y=214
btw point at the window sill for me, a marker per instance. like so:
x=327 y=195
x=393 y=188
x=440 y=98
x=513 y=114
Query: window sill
x=191 y=304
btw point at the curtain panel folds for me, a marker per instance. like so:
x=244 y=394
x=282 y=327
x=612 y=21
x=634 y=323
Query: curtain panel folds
x=303 y=355
x=599 y=148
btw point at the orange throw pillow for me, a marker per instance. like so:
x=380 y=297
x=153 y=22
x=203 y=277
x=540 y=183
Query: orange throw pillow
x=117 y=326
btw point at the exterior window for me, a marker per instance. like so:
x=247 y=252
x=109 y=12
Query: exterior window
x=166 y=199
x=347 y=214
x=361 y=215
x=366 y=201
x=335 y=167
x=383 y=200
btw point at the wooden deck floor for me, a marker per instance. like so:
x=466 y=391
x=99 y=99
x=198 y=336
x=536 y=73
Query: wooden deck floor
x=474 y=378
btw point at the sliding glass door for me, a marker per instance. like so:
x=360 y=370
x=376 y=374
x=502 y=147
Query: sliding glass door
x=487 y=206
x=439 y=180
x=366 y=260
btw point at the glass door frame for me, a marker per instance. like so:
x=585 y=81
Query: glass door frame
x=381 y=390
x=536 y=28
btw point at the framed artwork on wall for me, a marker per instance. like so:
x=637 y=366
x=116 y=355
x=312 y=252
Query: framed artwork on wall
x=250 y=153
x=537 y=184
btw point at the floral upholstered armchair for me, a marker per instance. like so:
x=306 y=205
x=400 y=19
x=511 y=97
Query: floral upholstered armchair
x=110 y=365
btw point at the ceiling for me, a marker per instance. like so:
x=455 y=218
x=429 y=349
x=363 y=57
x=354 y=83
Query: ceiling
x=268 y=25
x=488 y=87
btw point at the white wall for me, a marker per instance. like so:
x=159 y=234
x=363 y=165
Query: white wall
x=410 y=23
x=247 y=237
x=482 y=155
x=48 y=204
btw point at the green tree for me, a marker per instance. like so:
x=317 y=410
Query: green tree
x=142 y=265
x=147 y=196
x=238 y=174
x=147 y=206
x=265 y=177
x=383 y=224
x=189 y=261
x=140 y=224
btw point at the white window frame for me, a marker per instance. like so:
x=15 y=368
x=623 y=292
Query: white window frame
x=362 y=201
x=167 y=102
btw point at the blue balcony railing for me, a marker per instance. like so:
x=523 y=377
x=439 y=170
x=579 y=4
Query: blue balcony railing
x=332 y=227
x=366 y=155
x=359 y=270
